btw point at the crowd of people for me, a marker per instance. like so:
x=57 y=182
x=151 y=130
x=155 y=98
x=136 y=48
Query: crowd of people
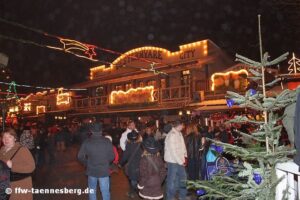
x=157 y=161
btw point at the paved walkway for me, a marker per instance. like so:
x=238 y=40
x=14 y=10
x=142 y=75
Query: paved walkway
x=67 y=172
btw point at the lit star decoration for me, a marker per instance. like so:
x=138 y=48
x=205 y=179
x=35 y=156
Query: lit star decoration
x=77 y=48
x=229 y=102
x=294 y=65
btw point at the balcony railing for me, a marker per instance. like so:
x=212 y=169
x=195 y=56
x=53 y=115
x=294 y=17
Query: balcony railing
x=164 y=95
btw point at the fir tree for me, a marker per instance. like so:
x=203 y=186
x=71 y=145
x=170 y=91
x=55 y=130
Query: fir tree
x=256 y=177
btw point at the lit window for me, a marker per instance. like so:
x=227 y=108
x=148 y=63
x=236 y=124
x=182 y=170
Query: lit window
x=119 y=87
x=163 y=83
x=186 y=72
x=141 y=84
x=151 y=83
x=128 y=86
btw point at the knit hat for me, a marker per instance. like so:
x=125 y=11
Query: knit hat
x=133 y=135
x=96 y=128
x=151 y=145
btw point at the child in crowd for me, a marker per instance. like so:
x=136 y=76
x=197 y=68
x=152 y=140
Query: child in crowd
x=152 y=171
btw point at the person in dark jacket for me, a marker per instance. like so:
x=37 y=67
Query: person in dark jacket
x=195 y=146
x=132 y=156
x=152 y=171
x=97 y=153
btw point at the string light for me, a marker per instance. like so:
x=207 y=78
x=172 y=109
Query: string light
x=115 y=94
x=294 y=65
x=153 y=70
x=40 y=87
x=40 y=109
x=12 y=92
x=62 y=98
x=242 y=71
x=27 y=107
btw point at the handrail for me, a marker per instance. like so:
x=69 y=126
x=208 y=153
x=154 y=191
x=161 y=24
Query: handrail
x=175 y=93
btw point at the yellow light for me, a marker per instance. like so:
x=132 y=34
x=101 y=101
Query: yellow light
x=13 y=109
x=40 y=109
x=27 y=107
x=180 y=113
x=242 y=71
x=132 y=90
x=62 y=98
x=188 y=112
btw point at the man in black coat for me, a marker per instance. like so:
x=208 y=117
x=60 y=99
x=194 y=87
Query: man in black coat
x=97 y=153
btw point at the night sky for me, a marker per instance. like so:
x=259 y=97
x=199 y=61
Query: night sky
x=126 y=24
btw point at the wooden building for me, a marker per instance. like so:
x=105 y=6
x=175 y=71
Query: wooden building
x=152 y=81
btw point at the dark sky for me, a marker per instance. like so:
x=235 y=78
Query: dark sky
x=125 y=24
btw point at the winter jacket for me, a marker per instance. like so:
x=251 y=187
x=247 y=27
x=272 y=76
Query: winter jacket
x=133 y=166
x=22 y=162
x=150 y=183
x=175 y=150
x=96 y=153
x=193 y=144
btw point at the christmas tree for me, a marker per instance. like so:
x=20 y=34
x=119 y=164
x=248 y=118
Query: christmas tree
x=254 y=177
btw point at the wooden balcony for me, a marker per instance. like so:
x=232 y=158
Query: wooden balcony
x=165 y=98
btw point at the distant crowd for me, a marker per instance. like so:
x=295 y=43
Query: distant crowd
x=158 y=160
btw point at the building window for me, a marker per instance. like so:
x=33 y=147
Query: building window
x=141 y=84
x=163 y=83
x=128 y=86
x=185 y=77
x=100 y=91
x=119 y=87
x=151 y=82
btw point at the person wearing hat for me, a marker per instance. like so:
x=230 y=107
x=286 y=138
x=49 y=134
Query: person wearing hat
x=96 y=153
x=131 y=157
x=149 y=130
x=175 y=156
x=152 y=171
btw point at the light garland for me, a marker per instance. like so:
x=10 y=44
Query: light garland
x=114 y=94
x=242 y=71
x=27 y=107
x=40 y=109
x=134 y=54
x=62 y=98
x=294 y=65
x=41 y=87
x=12 y=91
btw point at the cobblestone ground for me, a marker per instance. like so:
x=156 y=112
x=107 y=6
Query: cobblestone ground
x=67 y=172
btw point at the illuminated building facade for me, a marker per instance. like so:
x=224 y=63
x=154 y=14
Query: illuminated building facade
x=151 y=81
